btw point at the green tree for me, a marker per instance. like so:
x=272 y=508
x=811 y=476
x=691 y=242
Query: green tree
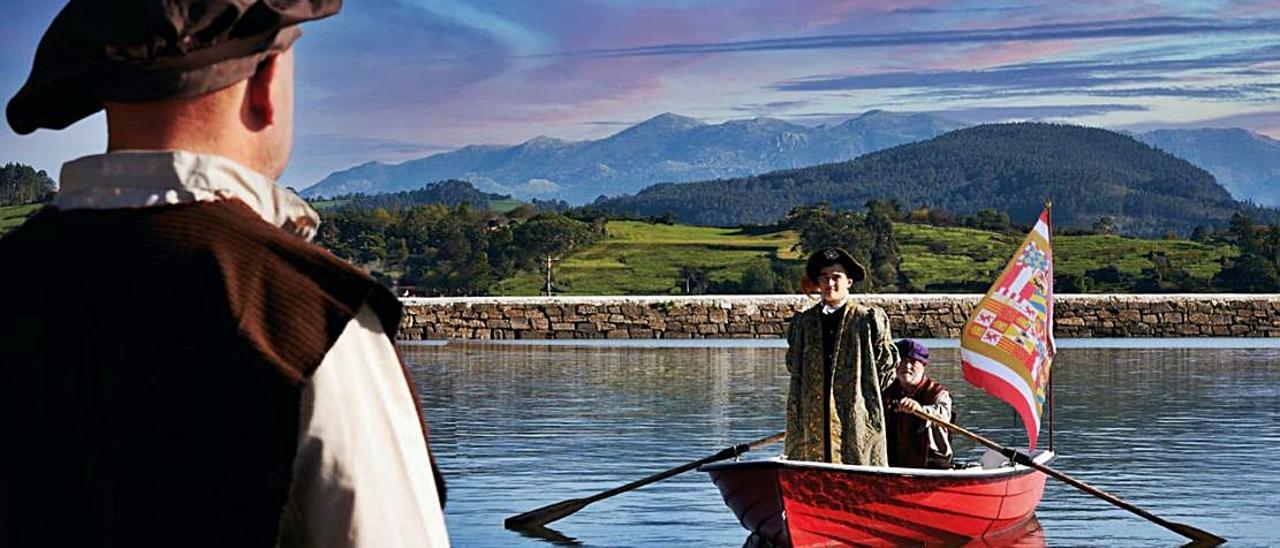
x=869 y=238
x=758 y=279
x=553 y=235
x=990 y=219
x=1105 y=225
x=693 y=280
x=21 y=184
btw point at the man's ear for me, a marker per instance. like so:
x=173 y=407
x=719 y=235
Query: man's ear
x=262 y=104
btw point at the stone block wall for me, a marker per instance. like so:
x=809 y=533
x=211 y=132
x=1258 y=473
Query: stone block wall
x=741 y=316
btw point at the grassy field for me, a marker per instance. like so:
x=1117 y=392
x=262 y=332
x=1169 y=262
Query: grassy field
x=934 y=255
x=643 y=258
x=1078 y=254
x=503 y=206
x=13 y=216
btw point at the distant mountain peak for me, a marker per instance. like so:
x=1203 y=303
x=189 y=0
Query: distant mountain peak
x=542 y=141
x=668 y=121
x=672 y=118
x=760 y=121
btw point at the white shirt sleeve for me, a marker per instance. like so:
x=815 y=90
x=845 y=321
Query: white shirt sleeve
x=362 y=476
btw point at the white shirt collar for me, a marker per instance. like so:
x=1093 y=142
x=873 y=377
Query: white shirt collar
x=146 y=178
x=828 y=309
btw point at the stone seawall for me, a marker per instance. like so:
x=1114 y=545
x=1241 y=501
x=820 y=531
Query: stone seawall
x=741 y=316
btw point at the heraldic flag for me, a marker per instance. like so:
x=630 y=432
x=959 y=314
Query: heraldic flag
x=1007 y=345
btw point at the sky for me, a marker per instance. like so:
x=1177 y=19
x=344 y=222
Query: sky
x=392 y=80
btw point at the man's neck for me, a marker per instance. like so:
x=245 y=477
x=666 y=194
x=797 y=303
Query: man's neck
x=911 y=388
x=204 y=125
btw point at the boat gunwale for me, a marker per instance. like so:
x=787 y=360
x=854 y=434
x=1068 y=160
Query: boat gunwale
x=1040 y=457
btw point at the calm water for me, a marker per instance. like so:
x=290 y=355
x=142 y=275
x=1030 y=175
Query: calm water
x=1190 y=434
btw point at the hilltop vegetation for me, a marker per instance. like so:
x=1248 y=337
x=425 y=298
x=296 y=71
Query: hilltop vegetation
x=21 y=184
x=451 y=193
x=1011 y=168
x=441 y=250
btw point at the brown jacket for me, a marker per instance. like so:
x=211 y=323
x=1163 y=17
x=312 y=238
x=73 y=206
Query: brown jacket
x=155 y=360
x=862 y=368
x=913 y=442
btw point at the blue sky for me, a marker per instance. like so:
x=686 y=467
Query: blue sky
x=391 y=80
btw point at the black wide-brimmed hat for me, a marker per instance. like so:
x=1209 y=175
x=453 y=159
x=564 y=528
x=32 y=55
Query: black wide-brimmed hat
x=147 y=50
x=833 y=255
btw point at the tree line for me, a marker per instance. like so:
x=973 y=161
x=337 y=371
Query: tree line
x=21 y=184
x=437 y=250
x=451 y=192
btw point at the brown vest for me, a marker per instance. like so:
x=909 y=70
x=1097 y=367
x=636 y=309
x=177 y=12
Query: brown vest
x=151 y=366
x=907 y=437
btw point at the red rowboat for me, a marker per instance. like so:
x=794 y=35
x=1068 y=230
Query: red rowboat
x=796 y=503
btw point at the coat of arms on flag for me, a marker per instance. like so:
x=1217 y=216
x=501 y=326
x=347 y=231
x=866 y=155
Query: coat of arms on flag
x=1007 y=345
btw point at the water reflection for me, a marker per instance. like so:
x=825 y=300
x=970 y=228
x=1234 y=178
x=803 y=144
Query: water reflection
x=1185 y=433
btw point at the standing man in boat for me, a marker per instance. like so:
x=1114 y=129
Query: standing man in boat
x=914 y=442
x=217 y=379
x=840 y=355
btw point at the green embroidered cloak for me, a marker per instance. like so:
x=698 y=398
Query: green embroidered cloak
x=862 y=368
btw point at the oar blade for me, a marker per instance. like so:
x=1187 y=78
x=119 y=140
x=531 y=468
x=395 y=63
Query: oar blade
x=1199 y=537
x=546 y=514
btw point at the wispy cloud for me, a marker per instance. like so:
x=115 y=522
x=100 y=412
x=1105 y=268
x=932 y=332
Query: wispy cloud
x=771 y=107
x=1128 y=28
x=982 y=115
x=330 y=143
x=1102 y=78
x=979 y=115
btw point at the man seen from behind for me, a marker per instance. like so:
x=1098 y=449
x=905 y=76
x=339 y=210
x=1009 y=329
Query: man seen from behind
x=182 y=367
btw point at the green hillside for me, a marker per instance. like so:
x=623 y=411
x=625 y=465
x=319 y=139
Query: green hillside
x=13 y=216
x=1011 y=168
x=643 y=258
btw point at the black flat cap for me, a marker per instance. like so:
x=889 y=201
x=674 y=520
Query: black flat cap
x=833 y=255
x=147 y=50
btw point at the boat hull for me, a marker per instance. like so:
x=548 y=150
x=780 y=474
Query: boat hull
x=793 y=503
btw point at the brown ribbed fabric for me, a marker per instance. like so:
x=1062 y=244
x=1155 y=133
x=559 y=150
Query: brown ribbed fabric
x=151 y=368
x=906 y=434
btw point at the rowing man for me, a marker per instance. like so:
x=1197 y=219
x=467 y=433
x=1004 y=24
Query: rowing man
x=914 y=442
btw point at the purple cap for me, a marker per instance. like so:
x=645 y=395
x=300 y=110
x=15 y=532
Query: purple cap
x=911 y=348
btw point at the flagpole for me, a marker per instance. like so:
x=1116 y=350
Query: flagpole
x=1048 y=206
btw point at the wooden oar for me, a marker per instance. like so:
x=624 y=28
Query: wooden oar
x=553 y=512
x=1201 y=537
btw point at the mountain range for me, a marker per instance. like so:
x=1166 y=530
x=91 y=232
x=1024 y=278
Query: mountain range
x=1245 y=163
x=664 y=148
x=673 y=148
x=1013 y=168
